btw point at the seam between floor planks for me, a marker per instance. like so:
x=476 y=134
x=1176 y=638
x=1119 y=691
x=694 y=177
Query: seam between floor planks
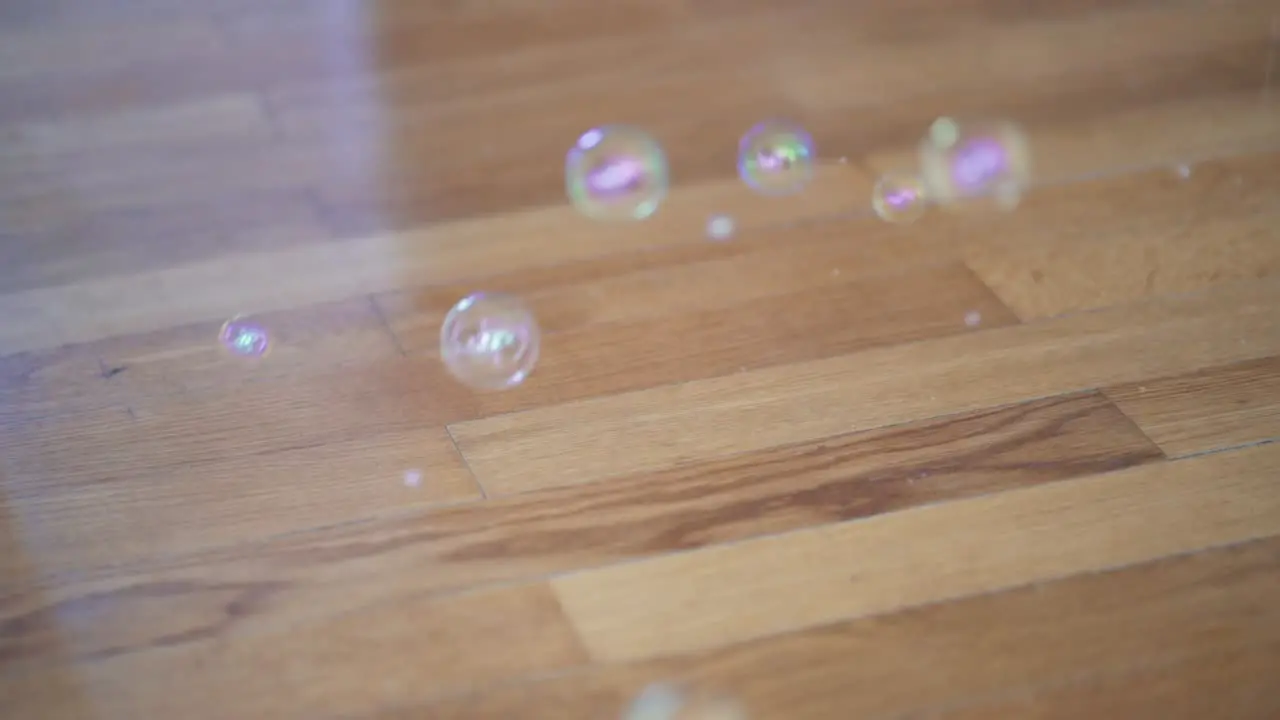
x=656 y=607
x=660 y=426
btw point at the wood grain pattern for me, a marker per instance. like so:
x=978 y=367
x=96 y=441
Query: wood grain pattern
x=453 y=642
x=625 y=433
x=1106 y=642
x=296 y=277
x=1015 y=464
x=319 y=575
x=1190 y=247
x=1208 y=409
x=730 y=593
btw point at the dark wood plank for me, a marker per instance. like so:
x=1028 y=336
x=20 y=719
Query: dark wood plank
x=341 y=569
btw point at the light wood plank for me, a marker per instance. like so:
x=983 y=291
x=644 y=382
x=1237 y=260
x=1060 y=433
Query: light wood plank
x=330 y=375
x=131 y=376
x=841 y=314
x=47 y=50
x=240 y=116
x=197 y=506
x=312 y=670
x=59 y=243
x=1235 y=684
x=1208 y=409
x=452 y=252
x=1198 y=242
x=1162 y=639
x=328 y=572
x=650 y=429
x=731 y=593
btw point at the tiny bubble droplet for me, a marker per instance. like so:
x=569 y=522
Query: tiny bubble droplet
x=720 y=227
x=412 y=478
x=973 y=318
x=776 y=157
x=244 y=337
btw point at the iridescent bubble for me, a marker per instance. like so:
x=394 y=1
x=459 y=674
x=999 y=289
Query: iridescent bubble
x=616 y=172
x=776 y=157
x=490 y=341
x=244 y=337
x=720 y=227
x=899 y=198
x=983 y=161
x=661 y=701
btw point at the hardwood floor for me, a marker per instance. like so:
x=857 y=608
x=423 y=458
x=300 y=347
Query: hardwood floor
x=985 y=465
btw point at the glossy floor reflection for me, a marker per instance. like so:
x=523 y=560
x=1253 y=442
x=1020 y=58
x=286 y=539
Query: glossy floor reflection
x=828 y=465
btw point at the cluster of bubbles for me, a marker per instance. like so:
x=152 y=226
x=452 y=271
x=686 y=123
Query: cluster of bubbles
x=620 y=173
x=976 y=163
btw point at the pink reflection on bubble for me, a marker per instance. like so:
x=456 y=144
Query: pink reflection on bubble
x=978 y=163
x=769 y=160
x=902 y=198
x=615 y=176
x=243 y=337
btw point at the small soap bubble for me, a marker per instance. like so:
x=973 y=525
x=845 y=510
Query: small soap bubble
x=661 y=701
x=412 y=478
x=244 y=337
x=776 y=158
x=963 y=163
x=490 y=341
x=899 y=198
x=973 y=318
x=1184 y=171
x=616 y=172
x=720 y=227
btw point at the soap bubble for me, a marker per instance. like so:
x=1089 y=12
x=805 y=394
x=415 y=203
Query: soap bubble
x=661 y=701
x=720 y=227
x=490 y=341
x=983 y=161
x=776 y=157
x=899 y=198
x=244 y=337
x=616 y=173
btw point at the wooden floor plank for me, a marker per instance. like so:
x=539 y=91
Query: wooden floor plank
x=46 y=393
x=1196 y=247
x=731 y=593
x=650 y=429
x=841 y=314
x=1133 y=642
x=331 y=375
x=307 y=670
x=196 y=506
x=42 y=51
x=60 y=243
x=1208 y=409
x=453 y=252
x=1025 y=460
x=522 y=536
x=1236 y=683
